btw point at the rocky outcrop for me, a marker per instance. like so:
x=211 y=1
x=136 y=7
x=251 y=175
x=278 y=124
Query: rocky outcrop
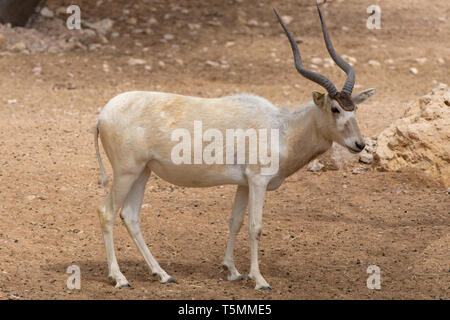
x=338 y=157
x=420 y=139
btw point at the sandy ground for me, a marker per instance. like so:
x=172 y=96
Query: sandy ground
x=321 y=230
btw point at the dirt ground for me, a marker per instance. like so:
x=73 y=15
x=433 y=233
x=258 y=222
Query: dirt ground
x=321 y=230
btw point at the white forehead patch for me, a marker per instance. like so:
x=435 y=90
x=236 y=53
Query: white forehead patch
x=343 y=118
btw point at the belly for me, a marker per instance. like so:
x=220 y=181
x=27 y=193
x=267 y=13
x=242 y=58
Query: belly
x=198 y=176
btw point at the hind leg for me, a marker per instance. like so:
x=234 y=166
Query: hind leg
x=130 y=215
x=121 y=186
x=237 y=217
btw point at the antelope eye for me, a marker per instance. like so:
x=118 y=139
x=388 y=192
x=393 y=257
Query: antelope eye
x=335 y=110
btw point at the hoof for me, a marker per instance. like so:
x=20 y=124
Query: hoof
x=127 y=285
x=171 y=280
x=266 y=288
x=238 y=278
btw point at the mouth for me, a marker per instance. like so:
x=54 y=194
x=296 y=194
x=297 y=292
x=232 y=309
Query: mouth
x=354 y=150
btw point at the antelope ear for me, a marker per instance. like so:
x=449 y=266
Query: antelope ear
x=362 y=96
x=318 y=98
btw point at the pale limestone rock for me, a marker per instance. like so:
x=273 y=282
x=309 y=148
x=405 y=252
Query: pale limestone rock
x=337 y=158
x=316 y=60
x=315 y=166
x=287 y=19
x=136 y=62
x=365 y=157
x=103 y=26
x=374 y=63
x=20 y=46
x=46 y=12
x=420 y=139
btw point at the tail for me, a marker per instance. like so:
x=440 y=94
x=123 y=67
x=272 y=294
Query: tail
x=99 y=158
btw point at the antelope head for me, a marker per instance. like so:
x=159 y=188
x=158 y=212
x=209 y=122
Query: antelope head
x=338 y=107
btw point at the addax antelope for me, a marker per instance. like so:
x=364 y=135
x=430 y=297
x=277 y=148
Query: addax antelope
x=137 y=134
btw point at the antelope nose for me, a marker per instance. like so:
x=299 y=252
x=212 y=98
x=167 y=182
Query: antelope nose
x=360 y=146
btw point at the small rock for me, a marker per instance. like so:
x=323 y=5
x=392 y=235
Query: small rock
x=103 y=26
x=94 y=46
x=137 y=31
x=328 y=62
x=440 y=60
x=11 y=101
x=169 y=37
x=365 y=157
x=88 y=36
x=287 y=19
x=315 y=166
x=349 y=59
x=46 y=12
x=37 y=70
x=421 y=60
x=212 y=63
x=344 y=28
x=359 y=170
x=135 y=62
x=253 y=22
x=2 y=40
x=89 y=33
x=374 y=63
x=440 y=87
x=53 y=49
x=370 y=142
x=389 y=61
x=132 y=21
x=414 y=70
x=161 y=64
x=227 y=44
x=20 y=46
x=103 y=39
x=316 y=60
x=193 y=26
x=31 y=197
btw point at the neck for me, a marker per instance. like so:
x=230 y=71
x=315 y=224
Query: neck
x=305 y=138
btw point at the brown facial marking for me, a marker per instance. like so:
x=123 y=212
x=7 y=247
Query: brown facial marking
x=345 y=101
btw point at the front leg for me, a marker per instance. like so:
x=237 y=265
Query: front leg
x=257 y=191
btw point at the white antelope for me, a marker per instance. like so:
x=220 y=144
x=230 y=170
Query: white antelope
x=135 y=129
